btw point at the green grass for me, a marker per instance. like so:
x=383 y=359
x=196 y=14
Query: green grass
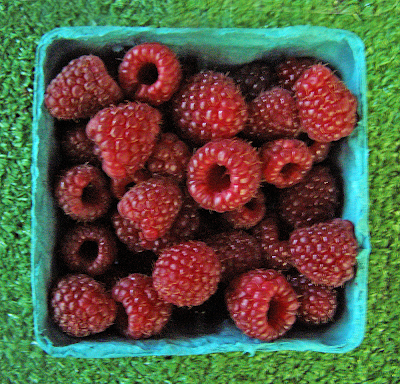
x=376 y=360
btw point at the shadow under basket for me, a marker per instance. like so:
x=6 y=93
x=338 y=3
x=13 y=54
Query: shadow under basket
x=341 y=49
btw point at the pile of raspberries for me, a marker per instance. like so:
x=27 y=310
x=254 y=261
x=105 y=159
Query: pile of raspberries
x=186 y=192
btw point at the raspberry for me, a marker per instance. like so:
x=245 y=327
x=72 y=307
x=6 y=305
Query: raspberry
x=327 y=109
x=291 y=69
x=81 y=89
x=249 y=214
x=120 y=186
x=81 y=306
x=187 y=223
x=142 y=313
x=210 y=106
x=152 y=206
x=170 y=157
x=272 y=115
x=275 y=252
x=325 y=252
x=187 y=274
x=262 y=304
x=238 y=252
x=285 y=162
x=77 y=147
x=82 y=192
x=150 y=72
x=89 y=249
x=126 y=135
x=126 y=231
x=277 y=256
x=253 y=78
x=224 y=174
x=314 y=199
x=319 y=151
x=318 y=303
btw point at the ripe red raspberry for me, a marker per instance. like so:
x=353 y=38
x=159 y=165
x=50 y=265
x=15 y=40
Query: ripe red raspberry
x=152 y=206
x=81 y=306
x=126 y=135
x=120 y=186
x=187 y=274
x=249 y=214
x=253 y=78
x=81 y=89
x=318 y=303
x=150 y=72
x=319 y=151
x=291 y=69
x=262 y=304
x=77 y=147
x=272 y=115
x=327 y=108
x=314 y=199
x=210 y=106
x=142 y=313
x=224 y=174
x=89 y=249
x=325 y=252
x=285 y=162
x=237 y=251
x=170 y=157
x=82 y=192
x=128 y=234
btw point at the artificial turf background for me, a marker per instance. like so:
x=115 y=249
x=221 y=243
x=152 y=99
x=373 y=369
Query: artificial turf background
x=375 y=361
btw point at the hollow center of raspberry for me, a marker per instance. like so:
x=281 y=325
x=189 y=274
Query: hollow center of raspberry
x=148 y=74
x=218 y=178
x=289 y=170
x=89 y=250
x=274 y=314
x=252 y=205
x=90 y=195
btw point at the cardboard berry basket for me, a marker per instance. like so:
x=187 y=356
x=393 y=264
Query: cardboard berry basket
x=341 y=49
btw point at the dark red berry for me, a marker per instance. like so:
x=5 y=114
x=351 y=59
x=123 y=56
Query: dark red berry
x=81 y=306
x=83 y=193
